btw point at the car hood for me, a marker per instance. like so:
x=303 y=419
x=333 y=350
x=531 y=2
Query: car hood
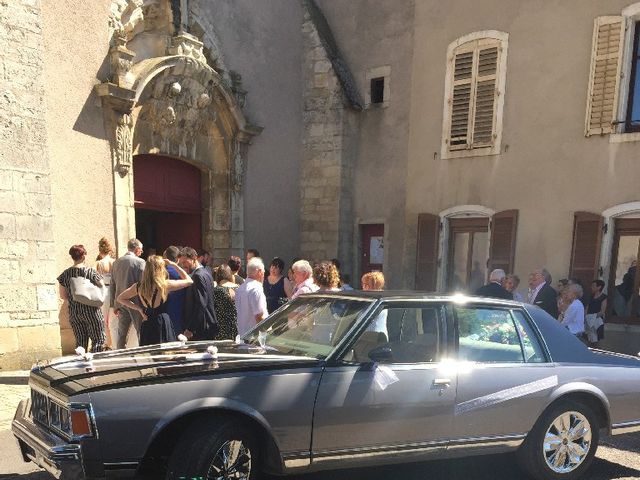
x=158 y=363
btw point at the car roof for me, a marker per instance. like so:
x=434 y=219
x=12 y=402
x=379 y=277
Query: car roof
x=416 y=295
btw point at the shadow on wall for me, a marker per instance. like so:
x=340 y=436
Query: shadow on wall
x=90 y=121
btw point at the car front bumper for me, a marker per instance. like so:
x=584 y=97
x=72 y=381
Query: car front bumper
x=61 y=459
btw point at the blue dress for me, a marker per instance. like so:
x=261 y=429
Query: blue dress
x=275 y=294
x=175 y=302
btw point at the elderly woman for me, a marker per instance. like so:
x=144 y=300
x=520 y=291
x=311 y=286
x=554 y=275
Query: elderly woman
x=302 y=276
x=375 y=281
x=87 y=322
x=573 y=316
x=326 y=277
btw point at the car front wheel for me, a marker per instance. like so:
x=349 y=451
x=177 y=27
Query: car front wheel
x=215 y=450
x=562 y=443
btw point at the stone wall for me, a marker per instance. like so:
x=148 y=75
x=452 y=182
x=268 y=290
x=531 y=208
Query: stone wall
x=326 y=167
x=28 y=298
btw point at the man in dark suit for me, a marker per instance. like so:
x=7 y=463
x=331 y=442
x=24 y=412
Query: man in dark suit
x=494 y=288
x=541 y=294
x=199 y=319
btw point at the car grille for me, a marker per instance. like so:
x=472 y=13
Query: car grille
x=50 y=414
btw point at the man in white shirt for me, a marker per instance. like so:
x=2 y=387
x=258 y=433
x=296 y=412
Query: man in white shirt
x=302 y=276
x=251 y=302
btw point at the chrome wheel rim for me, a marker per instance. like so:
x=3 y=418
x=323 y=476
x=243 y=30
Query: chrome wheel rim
x=567 y=442
x=231 y=461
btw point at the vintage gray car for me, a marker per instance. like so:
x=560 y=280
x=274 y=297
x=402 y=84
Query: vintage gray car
x=334 y=381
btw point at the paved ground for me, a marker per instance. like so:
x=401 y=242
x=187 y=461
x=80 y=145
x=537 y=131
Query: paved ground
x=617 y=459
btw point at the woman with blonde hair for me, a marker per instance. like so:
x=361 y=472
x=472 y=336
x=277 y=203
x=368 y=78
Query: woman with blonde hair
x=104 y=262
x=152 y=290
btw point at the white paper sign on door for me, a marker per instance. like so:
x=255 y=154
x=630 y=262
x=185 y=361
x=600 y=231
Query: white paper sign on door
x=376 y=250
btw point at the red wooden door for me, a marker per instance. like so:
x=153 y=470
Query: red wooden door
x=372 y=247
x=168 y=202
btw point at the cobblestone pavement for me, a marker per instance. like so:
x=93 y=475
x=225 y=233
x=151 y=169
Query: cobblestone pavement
x=617 y=458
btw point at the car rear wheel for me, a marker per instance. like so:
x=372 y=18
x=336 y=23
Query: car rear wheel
x=215 y=450
x=562 y=443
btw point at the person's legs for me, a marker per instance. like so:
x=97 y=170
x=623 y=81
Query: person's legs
x=96 y=329
x=133 y=333
x=78 y=327
x=121 y=326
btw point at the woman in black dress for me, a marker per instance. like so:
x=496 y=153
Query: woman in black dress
x=223 y=302
x=274 y=285
x=152 y=291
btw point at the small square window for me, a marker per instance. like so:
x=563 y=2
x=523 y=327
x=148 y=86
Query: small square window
x=377 y=90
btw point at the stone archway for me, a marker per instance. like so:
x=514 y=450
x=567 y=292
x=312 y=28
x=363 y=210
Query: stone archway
x=173 y=103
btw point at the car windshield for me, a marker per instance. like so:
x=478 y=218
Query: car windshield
x=308 y=326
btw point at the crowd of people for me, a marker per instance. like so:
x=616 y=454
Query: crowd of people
x=181 y=293
x=583 y=315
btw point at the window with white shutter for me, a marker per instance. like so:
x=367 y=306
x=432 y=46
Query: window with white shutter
x=604 y=81
x=474 y=95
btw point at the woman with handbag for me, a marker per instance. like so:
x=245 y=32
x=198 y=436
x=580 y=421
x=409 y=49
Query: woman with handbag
x=153 y=290
x=87 y=321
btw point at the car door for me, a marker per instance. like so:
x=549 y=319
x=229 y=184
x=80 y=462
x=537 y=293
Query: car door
x=504 y=375
x=356 y=417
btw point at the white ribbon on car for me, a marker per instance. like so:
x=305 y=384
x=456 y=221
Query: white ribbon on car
x=383 y=376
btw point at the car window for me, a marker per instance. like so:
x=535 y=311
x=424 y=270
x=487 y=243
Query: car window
x=487 y=335
x=410 y=335
x=533 y=351
x=308 y=326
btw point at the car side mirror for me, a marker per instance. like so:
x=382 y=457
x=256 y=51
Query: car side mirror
x=381 y=354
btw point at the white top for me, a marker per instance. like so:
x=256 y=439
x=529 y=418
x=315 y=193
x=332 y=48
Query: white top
x=250 y=301
x=573 y=317
x=534 y=293
x=305 y=287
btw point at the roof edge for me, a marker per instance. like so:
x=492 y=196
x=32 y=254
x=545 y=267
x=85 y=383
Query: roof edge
x=345 y=77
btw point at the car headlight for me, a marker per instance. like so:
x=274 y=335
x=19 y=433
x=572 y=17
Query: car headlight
x=73 y=421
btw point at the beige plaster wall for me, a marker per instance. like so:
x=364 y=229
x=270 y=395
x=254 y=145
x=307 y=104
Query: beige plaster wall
x=548 y=169
x=373 y=34
x=262 y=41
x=76 y=44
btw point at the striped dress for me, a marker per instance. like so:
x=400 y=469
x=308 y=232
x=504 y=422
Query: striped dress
x=87 y=322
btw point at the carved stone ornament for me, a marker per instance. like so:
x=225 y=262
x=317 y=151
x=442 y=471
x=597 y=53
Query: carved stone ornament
x=126 y=19
x=123 y=148
x=121 y=62
x=189 y=46
x=238 y=169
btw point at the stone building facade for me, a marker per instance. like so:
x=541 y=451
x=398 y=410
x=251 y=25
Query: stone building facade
x=28 y=295
x=433 y=141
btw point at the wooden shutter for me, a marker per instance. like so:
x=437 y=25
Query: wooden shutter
x=485 y=96
x=502 y=252
x=585 y=251
x=604 y=79
x=427 y=252
x=473 y=102
x=459 y=137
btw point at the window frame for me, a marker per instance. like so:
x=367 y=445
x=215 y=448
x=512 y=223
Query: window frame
x=633 y=60
x=537 y=337
x=443 y=328
x=461 y=45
